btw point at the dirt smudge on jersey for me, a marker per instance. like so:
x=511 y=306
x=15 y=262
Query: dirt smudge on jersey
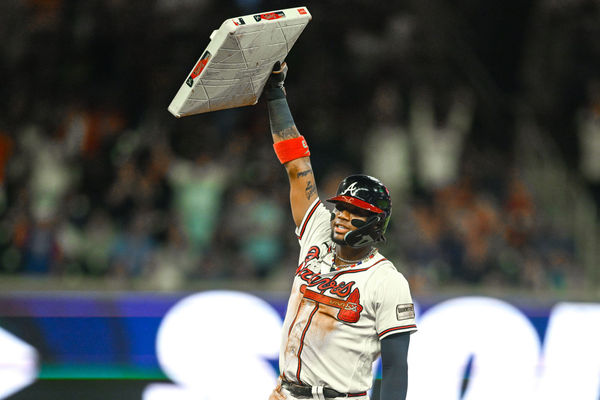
x=325 y=321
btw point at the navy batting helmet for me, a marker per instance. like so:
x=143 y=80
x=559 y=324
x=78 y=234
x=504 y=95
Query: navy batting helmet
x=370 y=194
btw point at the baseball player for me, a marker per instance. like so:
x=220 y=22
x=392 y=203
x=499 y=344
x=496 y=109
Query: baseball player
x=348 y=303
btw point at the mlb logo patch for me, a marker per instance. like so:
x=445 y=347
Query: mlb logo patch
x=405 y=311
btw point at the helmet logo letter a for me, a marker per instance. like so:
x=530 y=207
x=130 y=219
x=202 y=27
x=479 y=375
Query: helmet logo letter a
x=352 y=190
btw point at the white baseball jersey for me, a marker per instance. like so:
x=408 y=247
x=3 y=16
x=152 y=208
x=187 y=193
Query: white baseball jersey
x=336 y=318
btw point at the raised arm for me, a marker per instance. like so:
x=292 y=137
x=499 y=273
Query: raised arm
x=289 y=145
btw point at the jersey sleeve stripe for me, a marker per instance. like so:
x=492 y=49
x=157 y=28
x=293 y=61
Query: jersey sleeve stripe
x=307 y=218
x=398 y=328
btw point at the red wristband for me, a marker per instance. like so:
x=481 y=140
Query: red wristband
x=291 y=149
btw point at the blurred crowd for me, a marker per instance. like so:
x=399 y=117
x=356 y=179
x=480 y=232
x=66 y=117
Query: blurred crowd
x=98 y=180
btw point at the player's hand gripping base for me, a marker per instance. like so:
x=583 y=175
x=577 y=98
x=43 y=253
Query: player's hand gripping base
x=274 y=88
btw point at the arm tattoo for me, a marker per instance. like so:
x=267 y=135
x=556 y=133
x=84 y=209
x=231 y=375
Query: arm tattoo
x=303 y=173
x=310 y=190
x=281 y=120
x=287 y=133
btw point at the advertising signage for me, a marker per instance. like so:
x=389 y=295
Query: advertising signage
x=192 y=346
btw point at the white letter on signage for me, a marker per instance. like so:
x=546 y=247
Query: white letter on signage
x=572 y=353
x=18 y=367
x=214 y=345
x=502 y=342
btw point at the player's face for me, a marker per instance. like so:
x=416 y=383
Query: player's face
x=343 y=214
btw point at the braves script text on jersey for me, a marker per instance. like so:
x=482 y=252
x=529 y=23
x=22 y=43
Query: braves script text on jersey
x=336 y=318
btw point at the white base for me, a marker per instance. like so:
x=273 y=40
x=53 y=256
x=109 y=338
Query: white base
x=235 y=66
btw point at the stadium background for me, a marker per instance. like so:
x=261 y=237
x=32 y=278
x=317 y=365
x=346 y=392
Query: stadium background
x=481 y=117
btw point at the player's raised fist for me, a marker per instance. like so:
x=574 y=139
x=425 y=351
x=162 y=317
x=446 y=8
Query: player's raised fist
x=274 y=88
x=279 y=68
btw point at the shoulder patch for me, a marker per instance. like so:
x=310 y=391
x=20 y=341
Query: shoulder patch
x=405 y=311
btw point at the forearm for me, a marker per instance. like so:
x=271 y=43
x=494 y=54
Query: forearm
x=281 y=120
x=280 y=117
x=290 y=147
x=394 y=384
x=394 y=352
x=283 y=128
x=303 y=190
